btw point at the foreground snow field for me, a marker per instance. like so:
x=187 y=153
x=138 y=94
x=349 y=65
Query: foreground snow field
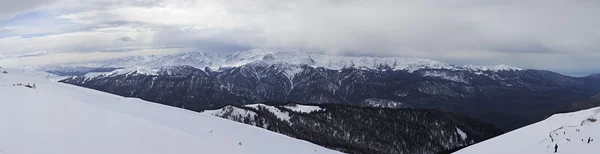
x=570 y=131
x=65 y=119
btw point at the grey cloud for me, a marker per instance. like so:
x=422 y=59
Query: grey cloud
x=23 y=55
x=32 y=54
x=522 y=47
x=208 y=39
x=526 y=33
x=125 y=39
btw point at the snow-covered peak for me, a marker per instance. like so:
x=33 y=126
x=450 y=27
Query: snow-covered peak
x=570 y=131
x=66 y=119
x=494 y=68
x=135 y=70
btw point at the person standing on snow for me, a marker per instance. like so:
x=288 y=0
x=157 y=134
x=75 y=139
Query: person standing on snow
x=589 y=139
x=555 y=148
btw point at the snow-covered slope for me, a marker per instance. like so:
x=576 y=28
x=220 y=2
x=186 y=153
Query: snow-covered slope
x=61 y=118
x=570 y=131
x=282 y=115
x=35 y=74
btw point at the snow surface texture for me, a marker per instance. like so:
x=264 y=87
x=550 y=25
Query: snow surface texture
x=385 y=103
x=570 y=131
x=446 y=76
x=233 y=111
x=216 y=61
x=66 y=119
x=279 y=113
x=462 y=134
x=303 y=108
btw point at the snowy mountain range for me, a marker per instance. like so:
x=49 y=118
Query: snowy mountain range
x=219 y=61
x=199 y=81
x=59 y=118
x=569 y=131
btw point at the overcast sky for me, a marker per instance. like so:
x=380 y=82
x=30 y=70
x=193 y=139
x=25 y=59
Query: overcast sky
x=557 y=35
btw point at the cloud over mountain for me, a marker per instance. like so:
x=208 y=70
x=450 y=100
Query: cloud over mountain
x=458 y=31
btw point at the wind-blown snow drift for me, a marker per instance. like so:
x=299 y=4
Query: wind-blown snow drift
x=65 y=119
x=541 y=137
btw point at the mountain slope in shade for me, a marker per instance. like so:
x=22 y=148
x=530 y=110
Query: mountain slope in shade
x=570 y=131
x=61 y=118
x=507 y=99
x=591 y=102
x=366 y=130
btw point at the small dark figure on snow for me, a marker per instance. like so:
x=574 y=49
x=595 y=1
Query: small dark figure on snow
x=555 y=148
x=589 y=139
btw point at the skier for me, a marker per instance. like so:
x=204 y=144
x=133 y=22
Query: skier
x=555 y=148
x=589 y=139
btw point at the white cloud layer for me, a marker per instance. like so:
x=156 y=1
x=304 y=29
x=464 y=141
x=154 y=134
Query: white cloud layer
x=550 y=34
x=10 y=8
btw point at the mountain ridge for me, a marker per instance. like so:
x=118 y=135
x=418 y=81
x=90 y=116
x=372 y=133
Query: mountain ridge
x=591 y=102
x=489 y=95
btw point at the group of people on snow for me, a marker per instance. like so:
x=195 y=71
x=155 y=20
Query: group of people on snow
x=556 y=144
x=569 y=140
x=25 y=85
